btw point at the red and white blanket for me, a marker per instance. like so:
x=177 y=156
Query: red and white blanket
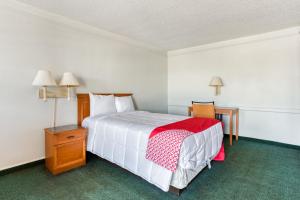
x=165 y=141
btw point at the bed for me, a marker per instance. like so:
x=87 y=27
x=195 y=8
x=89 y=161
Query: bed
x=121 y=138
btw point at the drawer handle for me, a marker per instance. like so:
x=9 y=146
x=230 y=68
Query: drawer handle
x=71 y=136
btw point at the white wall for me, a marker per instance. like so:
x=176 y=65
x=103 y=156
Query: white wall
x=29 y=42
x=261 y=76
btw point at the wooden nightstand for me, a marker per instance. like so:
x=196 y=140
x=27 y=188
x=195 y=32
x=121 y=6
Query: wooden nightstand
x=65 y=148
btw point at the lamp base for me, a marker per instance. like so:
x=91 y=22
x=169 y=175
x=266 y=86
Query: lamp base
x=54 y=92
x=218 y=90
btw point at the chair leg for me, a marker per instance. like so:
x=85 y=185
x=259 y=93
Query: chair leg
x=219 y=117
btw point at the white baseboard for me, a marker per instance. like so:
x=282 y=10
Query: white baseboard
x=21 y=163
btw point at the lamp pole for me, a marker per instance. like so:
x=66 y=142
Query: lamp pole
x=54 y=112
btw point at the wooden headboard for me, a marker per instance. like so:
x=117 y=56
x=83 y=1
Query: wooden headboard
x=83 y=104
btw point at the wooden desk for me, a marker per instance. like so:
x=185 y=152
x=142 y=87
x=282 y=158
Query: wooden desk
x=226 y=111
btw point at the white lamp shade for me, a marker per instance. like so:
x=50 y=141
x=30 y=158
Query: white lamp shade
x=44 y=78
x=69 y=79
x=216 y=81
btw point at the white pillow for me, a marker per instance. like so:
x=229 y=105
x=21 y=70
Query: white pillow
x=124 y=104
x=102 y=104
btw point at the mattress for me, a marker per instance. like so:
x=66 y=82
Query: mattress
x=122 y=139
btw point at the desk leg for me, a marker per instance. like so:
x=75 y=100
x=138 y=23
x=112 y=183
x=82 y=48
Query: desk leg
x=237 y=125
x=230 y=128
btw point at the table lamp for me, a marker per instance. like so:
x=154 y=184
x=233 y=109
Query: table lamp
x=44 y=79
x=216 y=82
x=69 y=80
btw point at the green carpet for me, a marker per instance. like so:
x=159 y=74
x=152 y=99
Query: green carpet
x=252 y=170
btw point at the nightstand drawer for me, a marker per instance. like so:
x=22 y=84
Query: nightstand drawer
x=70 y=154
x=69 y=136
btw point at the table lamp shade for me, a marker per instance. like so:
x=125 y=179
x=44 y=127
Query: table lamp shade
x=69 y=79
x=44 y=78
x=216 y=81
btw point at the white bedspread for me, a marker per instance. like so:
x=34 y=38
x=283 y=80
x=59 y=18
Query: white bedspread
x=122 y=139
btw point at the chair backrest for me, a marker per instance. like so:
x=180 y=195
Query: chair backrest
x=203 y=109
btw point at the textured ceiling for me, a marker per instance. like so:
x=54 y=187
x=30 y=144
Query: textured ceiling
x=175 y=24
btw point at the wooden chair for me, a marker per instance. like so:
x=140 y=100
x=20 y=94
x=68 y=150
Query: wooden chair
x=204 y=109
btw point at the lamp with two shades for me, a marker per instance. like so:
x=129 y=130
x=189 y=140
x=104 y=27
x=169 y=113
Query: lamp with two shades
x=50 y=89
